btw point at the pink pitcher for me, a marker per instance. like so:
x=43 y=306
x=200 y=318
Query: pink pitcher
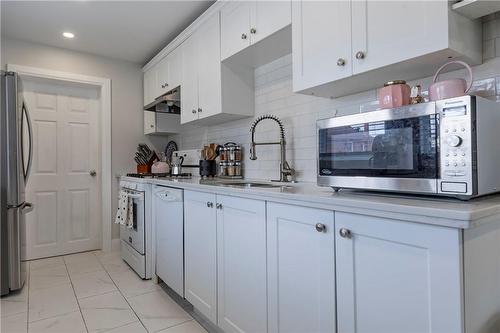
x=449 y=88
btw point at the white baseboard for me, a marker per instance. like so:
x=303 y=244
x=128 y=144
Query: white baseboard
x=115 y=244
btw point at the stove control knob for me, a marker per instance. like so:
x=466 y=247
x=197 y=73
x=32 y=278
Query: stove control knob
x=454 y=140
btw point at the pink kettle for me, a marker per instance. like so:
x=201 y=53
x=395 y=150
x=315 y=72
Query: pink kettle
x=452 y=87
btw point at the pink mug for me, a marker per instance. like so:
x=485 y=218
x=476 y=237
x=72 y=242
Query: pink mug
x=449 y=88
x=394 y=94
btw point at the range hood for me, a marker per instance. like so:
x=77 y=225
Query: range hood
x=167 y=103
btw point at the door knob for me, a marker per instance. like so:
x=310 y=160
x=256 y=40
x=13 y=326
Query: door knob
x=243 y=36
x=340 y=62
x=320 y=227
x=92 y=173
x=345 y=233
x=360 y=55
x=218 y=206
x=193 y=111
x=253 y=31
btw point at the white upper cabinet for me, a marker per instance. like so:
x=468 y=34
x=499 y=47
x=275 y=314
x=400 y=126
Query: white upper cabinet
x=343 y=47
x=395 y=276
x=244 y=23
x=301 y=269
x=235 y=27
x=209 y=68
x=267 y=17
x=321 y=35
x=150 y=85
x=174 y=77
x=163 y=76
x=211 y=92
x=385 y=32
x=241 y=265
x=162 y=85
x=189 y=88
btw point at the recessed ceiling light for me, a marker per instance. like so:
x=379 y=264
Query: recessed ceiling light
x=68 y=35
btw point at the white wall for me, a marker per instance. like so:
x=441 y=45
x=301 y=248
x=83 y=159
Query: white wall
x=273 y=95
x=126 y=91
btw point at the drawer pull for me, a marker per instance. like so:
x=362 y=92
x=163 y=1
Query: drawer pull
x=320 y=227
x=345 y=233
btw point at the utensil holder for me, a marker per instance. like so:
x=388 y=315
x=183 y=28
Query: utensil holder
x=208 y=168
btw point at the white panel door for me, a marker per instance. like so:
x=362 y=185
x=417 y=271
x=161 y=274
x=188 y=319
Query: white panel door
x=209 y=68
x=395 y=276
x=241 y=265
x=66 y=216
x=235 y=27
x=321 y=42
x=200 y=252
x=377 y=31
x=301 y=269
x=267 y=17
x=189 y=89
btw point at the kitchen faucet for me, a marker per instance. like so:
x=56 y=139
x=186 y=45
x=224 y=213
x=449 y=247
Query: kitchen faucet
x=285 y=169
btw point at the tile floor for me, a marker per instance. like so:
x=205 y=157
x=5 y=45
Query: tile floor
x=91 y=292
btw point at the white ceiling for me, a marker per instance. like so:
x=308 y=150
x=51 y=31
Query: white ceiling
x=128 y=30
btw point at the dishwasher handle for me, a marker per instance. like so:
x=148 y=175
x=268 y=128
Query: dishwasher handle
x=168 y=196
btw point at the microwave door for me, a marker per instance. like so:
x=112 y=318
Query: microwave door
x=380 y=154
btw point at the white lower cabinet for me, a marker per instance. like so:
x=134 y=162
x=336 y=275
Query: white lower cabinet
x=395 y=276
x=301 y=269
x=241 y=265
x=200 y=252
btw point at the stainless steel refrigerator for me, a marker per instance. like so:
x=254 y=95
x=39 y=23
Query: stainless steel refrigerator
x=16 y=156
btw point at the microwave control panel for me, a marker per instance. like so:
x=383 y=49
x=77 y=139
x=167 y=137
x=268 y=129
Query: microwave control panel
x=455 y=147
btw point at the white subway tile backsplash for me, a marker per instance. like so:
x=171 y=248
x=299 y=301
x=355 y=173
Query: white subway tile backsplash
x=299 y=112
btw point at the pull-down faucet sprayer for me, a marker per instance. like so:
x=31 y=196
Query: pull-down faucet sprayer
x=285 y=169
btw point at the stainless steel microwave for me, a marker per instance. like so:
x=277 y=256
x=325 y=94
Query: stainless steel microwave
x=448 y=148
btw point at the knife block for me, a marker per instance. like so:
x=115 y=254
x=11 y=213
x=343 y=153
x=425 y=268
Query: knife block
x=146 y=168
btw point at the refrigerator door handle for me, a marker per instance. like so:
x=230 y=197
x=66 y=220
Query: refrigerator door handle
x=27 y=168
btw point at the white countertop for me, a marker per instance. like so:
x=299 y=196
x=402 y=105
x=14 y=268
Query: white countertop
x=446 y=212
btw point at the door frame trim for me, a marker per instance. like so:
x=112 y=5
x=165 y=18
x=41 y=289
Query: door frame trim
x=104 y=84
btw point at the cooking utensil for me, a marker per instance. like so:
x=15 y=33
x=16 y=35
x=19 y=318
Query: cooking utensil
x=176 y=165
x=394 y=94
x=452 y=87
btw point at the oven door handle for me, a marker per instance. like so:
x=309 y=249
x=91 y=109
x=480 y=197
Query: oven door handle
x=136 y=196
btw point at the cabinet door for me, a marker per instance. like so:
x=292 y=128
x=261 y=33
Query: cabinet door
x=149 y=85
x=394 y=276
x=189 y=90
x=174 y=68
x=377 y=31
x=241 y=265
x=321 y=42
x=235 y=27
x=209 y=68
x=267 y=17
x=149 y=122
x=200 y=252
x=301 y=269
x=162 y=77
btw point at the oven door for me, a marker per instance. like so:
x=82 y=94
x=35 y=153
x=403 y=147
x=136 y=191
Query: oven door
x=390 y=150
x=135 y=236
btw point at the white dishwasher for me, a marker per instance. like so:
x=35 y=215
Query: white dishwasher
x=169 y=219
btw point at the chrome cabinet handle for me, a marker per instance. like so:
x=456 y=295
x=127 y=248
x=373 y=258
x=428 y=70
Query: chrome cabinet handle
x=194 y=111
x=152 y=126
x=243 y=36
x=253 y=30
x=340 y=62
x=360 y=55
x=200 y=109
x=92 y=173
x=320 y=227
x=345 y=233
x=210 y=204
x=218 y=206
